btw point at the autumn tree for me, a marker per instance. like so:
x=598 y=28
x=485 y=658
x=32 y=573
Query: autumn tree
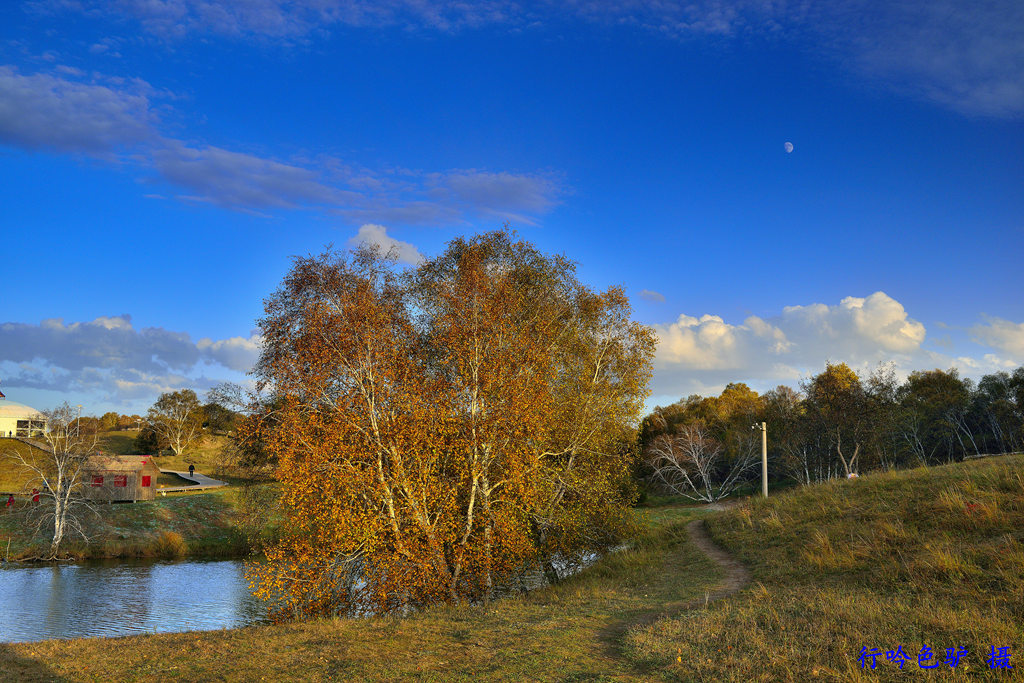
x=177 y=419
x=253 y=417
x=149 y=441
x=841 y=423
x=836 y=401
x=883 y=445
x=792 y=436
x=443 y=429
x=125 y=422
x=703 y=447
x=1001 y=416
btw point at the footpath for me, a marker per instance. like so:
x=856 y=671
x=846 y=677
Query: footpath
x=201 y=482
x=736 y=575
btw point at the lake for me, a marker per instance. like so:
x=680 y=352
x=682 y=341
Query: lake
x=126 y=598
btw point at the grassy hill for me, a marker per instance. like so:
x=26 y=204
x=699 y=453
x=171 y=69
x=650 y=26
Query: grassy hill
x=931 y=556
x=13 y=476
x=217 y=523
x=206 y=455
x=922 y=557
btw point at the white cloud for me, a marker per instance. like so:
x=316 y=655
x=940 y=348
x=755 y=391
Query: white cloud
x=242 y=180
x=45 y=111
x=708 y=351
x=235 y=353
x=290 y=19
x=651 y=295
x=968 y=56
x=705 y=343
x=504 y=194
x=878 y=321
x=1001 y=334
x=377 y=236
x=117 y=121
x=109 y=357
x=106 y=342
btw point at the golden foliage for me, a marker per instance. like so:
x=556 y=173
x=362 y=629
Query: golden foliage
x=439 y=431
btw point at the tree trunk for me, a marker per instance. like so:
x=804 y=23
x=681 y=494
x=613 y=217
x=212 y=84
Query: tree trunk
x=58 y=522
x=839 y=451
x=485 y=507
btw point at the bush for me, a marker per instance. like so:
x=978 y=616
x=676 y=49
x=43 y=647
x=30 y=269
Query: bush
x=170 y=545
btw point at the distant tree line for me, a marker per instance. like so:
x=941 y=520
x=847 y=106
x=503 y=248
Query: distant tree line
x=837 y=424
x=109 y=422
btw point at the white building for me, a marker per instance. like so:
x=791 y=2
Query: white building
x=20 y=420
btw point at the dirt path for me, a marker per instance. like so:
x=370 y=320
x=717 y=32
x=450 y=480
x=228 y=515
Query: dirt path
x=736 y=575
x=736 y=578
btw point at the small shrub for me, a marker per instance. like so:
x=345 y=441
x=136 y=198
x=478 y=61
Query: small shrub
x=171 y=545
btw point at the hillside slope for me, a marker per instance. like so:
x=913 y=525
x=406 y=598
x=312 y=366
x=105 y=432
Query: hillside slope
x=925 y=557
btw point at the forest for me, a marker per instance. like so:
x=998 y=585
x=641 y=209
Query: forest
x=837 y=424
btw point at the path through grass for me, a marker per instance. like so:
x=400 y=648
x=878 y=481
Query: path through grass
x=921 y=557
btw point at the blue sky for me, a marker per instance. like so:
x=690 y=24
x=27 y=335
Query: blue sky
x=161 y=161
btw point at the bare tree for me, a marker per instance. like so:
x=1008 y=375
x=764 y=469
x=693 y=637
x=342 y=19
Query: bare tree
x=690 y=464
x=58 y=475
x=177 y=418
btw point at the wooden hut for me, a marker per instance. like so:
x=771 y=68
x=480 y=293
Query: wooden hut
x=120 y=477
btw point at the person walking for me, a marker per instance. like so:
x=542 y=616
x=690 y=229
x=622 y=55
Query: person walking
x=191 y=470
x=10 y=501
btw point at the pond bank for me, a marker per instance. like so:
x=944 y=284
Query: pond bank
x=215 y=524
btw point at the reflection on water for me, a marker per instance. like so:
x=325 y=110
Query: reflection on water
x=126 y=598
x=77 y=601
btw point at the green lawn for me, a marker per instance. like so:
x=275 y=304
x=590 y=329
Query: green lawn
x=167 y=479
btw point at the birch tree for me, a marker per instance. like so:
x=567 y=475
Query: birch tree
x=58 y=475
x=441 y=430
x=689 y=463
x=177 y=419
x=836 y=403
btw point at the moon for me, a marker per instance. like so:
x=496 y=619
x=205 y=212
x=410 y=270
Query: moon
x=788 y=147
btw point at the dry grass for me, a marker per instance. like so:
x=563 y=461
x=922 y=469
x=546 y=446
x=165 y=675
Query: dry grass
x=926 y=556
x=14 y=478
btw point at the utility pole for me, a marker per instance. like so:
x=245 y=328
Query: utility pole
x=764 y=456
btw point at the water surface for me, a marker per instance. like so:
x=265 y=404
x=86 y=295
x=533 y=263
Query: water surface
x=86 y=600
